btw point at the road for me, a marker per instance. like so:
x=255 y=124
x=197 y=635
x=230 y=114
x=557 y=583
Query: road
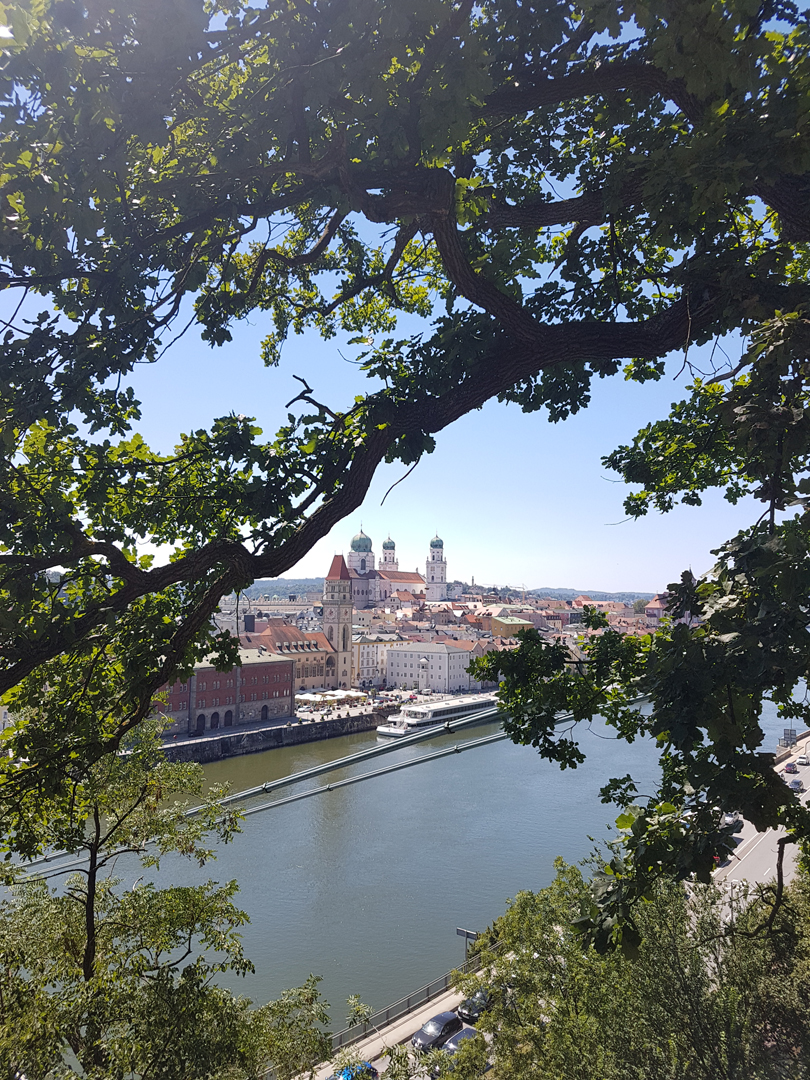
x=755 y=857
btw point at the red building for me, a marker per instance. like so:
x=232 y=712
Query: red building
x=260 y=689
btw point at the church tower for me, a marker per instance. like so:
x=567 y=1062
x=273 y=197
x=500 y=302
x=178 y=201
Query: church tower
x=337 y=623
x=389 y=557
x=436 y=571
x=360 y=557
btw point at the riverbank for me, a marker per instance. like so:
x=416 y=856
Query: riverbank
x=257 y=737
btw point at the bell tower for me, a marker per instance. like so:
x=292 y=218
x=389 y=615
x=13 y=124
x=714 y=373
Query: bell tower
x=436 y=571
x=389 y=558
x=337 y=621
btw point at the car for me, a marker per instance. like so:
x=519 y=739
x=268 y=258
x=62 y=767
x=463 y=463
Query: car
x=452 y=1045
x=796 y=784
x=364 y=1070
x=803 y=759
x=791 y=767
x=436 y=1031
x=471 y=1008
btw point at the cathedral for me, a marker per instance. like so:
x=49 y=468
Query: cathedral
x=373 y=583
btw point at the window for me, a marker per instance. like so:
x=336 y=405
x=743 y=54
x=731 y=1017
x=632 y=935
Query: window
x=182 y=705
x=201 y=703
x=229 y=682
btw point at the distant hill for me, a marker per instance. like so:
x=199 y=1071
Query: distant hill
x=595 y=594
x=285 y=587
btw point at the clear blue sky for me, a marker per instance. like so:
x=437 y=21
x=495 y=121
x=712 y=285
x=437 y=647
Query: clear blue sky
x=516 y=500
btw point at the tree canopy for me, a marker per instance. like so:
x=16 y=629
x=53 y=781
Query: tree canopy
x=560 y=191
x=99 y=980
x=705 y=998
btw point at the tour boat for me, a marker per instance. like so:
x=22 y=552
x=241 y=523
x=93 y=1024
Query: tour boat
x=434 y=714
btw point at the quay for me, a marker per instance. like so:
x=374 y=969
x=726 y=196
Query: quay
x=261 y=735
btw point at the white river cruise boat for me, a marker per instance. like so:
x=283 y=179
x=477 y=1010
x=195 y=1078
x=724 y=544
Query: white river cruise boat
x=433 y=714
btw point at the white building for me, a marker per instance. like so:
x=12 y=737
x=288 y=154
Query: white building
x=370 y=658
x=432 y=665
x=361 y=556
x=436 y=571
x=389 y=558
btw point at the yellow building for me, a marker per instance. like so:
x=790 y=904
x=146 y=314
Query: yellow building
x=505 y=626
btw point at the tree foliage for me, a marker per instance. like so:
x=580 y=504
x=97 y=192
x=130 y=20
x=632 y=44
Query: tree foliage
x=97 y=980
x=734 y=640
x=704 y=1000
x=560 y=191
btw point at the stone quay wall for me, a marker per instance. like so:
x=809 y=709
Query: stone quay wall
x=234 y=743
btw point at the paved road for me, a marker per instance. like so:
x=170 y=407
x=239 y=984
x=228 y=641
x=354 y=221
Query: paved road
x=755 y=858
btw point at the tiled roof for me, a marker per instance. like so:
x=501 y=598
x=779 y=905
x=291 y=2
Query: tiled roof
x=396 y=576
x=338 y=571
x=321 y=640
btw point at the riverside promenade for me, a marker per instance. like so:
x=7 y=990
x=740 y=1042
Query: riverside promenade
x=260 y=735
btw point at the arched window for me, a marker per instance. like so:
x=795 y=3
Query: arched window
x=345 y=638
x=329 y=633
x=214 y=720
x=264 y=712
x=228 y=719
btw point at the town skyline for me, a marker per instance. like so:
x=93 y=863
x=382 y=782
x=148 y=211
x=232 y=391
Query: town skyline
x=509 y=491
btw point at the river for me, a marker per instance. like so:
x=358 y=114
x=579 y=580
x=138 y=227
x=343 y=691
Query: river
x=366 y=885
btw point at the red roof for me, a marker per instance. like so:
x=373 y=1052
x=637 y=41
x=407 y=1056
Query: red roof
x=338 y=571
x=321 y=640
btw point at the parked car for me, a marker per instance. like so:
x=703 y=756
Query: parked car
x=452 y=1045
x=796 y=784
x=362 y=1071
x=436 y=1031
x=803 y=759
x=470 y=1009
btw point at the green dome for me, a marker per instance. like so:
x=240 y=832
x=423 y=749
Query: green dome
x=388 y=545
x=361 y=542
x=436 y=542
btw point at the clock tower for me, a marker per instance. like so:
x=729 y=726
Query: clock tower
x=337 y=622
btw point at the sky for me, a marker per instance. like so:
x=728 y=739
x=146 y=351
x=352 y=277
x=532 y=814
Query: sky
x=518 y=501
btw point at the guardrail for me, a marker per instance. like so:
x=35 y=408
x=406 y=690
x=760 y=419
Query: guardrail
x=402 y=1007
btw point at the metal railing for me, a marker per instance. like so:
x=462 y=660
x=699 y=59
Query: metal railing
x=402 y=1007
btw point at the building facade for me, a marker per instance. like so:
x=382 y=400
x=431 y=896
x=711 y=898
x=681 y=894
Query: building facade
x=431 y=665
x=361 y=557
x=370 y=659
x=337 y=618
x=436 y=571
x=314 y=662
x=261 y=688
x=389 y=556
